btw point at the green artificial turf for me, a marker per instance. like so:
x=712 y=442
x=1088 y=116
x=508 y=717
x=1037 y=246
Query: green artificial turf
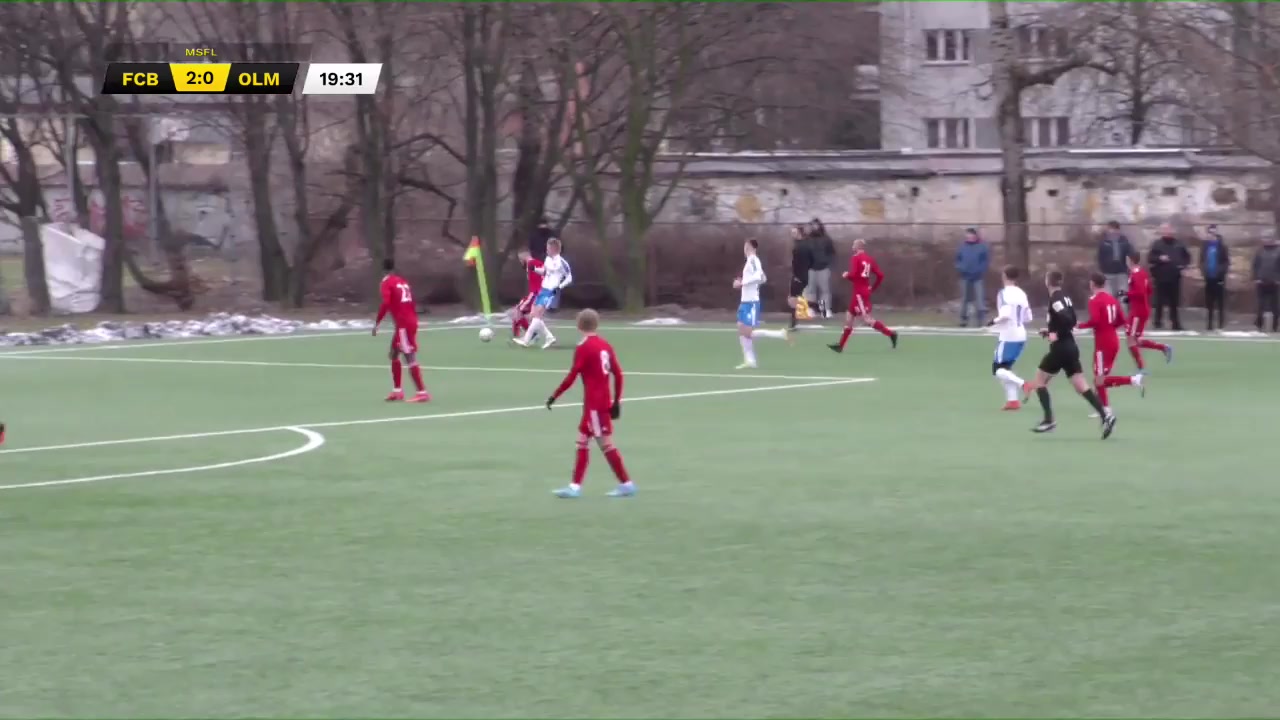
x=886 y=548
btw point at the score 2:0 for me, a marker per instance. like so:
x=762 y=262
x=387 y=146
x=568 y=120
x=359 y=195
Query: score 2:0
x=195 y=78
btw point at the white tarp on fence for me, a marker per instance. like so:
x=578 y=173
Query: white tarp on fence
x=73 y=267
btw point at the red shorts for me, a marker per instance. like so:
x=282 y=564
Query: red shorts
x=1104 y=359
x=860 y=304
x=526 y=305
x=405 y=340
x=595 y=423
x=1137 y=325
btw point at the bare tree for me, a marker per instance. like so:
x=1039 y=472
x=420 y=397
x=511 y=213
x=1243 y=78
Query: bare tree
x=21 y=194
x=663 y=78
x=1013 y=74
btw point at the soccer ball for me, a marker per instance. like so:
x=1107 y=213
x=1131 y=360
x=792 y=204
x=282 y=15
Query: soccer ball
x=486 y=334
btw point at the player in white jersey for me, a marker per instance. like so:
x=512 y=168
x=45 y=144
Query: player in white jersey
x=1013 y=312
x=556 y=275
x=749 y=306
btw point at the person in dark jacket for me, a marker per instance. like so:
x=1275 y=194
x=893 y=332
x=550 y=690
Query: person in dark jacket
x=801 y=267
x=1266 y=278
x=822 y=252
x=1215 y=262
x=972 y=261
x=1168 y=258
x=1113 y=248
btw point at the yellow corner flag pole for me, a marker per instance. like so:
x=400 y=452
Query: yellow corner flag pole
x=475 y=258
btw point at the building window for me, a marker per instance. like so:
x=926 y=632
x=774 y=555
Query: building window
x=948 y=133
x=1046 y=132
x=1036 y=42
x=947 y=46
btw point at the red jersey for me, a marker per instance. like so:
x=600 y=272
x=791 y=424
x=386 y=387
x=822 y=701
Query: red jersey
x=862 y=267
x=535 y=278
x=1140 y=292
x=1105 y=315
x=595 y=361
x=397 y=301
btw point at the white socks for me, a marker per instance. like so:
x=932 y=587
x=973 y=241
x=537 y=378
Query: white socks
x=748 y=351
x=1012 y=383
x=536 y=326
x=775 y=334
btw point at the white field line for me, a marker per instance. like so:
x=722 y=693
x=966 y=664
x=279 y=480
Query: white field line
x=918 y=332
x=410 y=418
x=314 y=441
x=438 y=368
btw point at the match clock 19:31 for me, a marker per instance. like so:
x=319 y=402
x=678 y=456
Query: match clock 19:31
x=342 y=78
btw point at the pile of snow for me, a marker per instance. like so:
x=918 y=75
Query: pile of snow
x=479 y=319
x=662 y=321
x=215 y=325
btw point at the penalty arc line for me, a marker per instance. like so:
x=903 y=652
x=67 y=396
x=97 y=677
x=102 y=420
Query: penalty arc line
x=314 y=441
x=438 y=368
x=410 y=418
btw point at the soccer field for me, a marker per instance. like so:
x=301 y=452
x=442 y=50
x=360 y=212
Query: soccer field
x=257 y=534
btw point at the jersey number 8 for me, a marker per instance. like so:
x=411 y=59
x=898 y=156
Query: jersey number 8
x=605 y=365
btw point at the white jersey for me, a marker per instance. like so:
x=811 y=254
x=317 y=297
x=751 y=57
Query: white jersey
x=1013 y=312
x=556 y=273
x=752 y=278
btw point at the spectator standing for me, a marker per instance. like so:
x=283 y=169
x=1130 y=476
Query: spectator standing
x=972 y=260
x=1168 y=258
x=1266 y=278
x=1215 y=262
x=821 y=252
x=1113 y=248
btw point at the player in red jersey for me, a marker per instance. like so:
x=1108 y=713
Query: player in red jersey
x=520 y=315
x=595 y=361
x=1105 y=316
x=1139 y=295
x=1 y=433
x=397 y=301
x=862 y=267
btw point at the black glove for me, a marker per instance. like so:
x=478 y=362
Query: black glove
x=615 y=412
x=1044 y=332
x=551 y=401
x=991 y=322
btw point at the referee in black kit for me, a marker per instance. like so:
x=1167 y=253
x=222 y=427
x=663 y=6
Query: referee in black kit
x=1063 y=357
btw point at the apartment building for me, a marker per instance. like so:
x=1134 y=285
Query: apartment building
x=936 y=91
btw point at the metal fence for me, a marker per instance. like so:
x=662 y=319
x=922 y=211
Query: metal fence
x=685 y=263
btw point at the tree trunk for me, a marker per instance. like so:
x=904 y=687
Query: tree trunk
x=272 y=260
x=1008 y=93
x=33 y=267
x=107 y=162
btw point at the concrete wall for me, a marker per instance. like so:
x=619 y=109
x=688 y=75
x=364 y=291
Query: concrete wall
x=1070 y=196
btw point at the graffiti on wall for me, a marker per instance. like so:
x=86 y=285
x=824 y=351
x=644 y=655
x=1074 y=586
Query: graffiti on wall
x=201 y=219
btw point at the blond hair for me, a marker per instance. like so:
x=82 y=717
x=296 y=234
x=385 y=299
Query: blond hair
x=588 y=320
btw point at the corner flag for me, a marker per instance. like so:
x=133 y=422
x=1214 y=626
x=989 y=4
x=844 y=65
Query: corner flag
x=475 y=258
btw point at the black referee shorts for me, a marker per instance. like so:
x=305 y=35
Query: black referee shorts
x=1062 y=358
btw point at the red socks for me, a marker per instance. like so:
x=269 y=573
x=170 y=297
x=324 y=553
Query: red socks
x=615 y=462
x=881 y=328
x=580 y=465
x=395 y=373
x=844 y=336
x=583 y=458
x=1116 y=381
x=415 y=372
x=1152 y=345
x=519 y=326
x=1136 y=352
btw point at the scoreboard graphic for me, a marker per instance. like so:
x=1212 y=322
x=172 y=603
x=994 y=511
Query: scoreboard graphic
x=239 y=78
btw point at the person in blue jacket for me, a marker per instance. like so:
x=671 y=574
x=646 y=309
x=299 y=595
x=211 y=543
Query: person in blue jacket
x=972 y=260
